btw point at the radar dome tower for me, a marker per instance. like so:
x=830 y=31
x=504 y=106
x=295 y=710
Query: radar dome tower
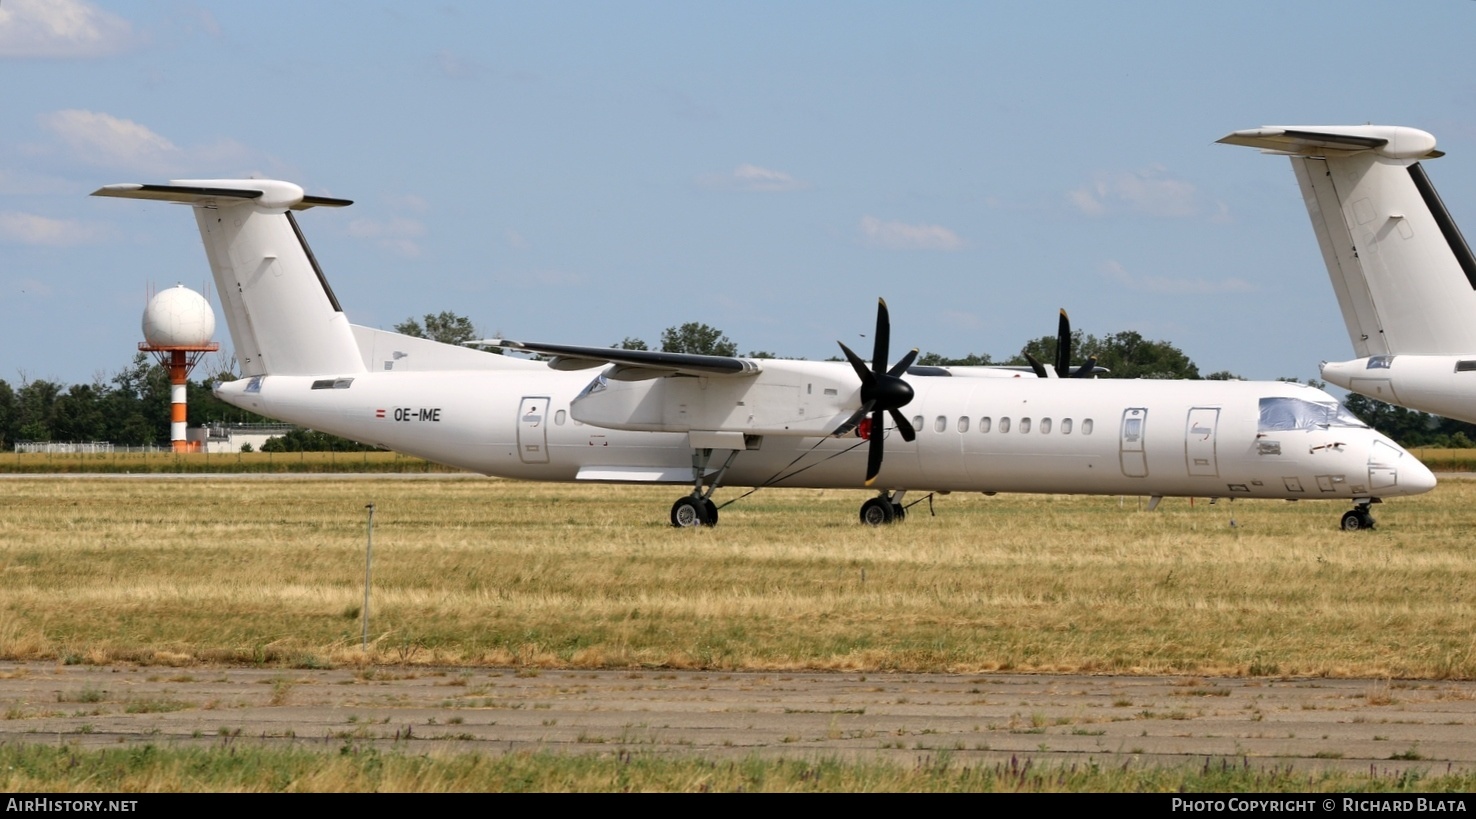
x=177 y=326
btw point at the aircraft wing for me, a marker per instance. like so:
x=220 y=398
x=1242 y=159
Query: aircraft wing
x=630 y=365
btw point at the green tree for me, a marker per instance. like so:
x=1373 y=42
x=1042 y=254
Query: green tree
x=445 y=327
x=307 y=440
x=1406 y=426
x=970 y=360
x=137 y=404
x=1129 y=355
x=1126 y=354
x=7 y=416
x=35 y=404
x=630 y=343
x=80 y=414
x=698 y=339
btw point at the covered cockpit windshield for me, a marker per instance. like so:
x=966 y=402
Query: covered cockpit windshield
x=1282 y=413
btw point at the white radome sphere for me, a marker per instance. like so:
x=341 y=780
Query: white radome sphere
x=178 y=317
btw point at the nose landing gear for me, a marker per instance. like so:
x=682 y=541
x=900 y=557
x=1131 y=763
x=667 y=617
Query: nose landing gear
x=1358 y=518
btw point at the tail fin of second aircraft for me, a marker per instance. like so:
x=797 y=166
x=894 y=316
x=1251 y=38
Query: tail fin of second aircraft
x=1403 y=273
x=283 y=316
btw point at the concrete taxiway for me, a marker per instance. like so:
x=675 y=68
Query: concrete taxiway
x=1384 y=726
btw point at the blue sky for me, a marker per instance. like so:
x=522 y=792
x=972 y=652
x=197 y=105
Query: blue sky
x=582 y=172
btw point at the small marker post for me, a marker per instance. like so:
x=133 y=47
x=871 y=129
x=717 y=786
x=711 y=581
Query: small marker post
x=368 y=562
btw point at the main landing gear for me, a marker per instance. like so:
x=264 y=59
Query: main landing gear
x=885 y=508
x=1358 y=518
x=693 y=511
x=697 y=509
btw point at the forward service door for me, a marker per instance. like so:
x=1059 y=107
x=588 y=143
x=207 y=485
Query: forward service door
x=1130 y=446
x=533 y=430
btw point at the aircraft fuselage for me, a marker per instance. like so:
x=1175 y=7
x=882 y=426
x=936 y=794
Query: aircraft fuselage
x=987 y=435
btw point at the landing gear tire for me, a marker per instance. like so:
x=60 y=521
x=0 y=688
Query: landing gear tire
x=1357 y=519
x=711 y=511
x=878 y=512
x=899 y=513
x=689 y=511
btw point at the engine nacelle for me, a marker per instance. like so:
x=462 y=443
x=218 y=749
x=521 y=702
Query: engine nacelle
x=800 y=398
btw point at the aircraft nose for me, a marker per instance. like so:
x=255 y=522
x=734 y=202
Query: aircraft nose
x=1392 y=470
x=1415 y=476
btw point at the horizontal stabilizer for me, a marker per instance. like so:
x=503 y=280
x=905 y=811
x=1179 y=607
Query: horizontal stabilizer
x=1393 y=141
x=268 y=193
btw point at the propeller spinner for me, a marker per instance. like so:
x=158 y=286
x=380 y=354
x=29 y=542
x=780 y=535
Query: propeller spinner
x=882 y=391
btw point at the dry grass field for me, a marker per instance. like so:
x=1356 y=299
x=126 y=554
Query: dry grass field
x=487 y=572
x=53 y=463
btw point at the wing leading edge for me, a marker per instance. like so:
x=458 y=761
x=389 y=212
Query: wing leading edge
x=630 y=365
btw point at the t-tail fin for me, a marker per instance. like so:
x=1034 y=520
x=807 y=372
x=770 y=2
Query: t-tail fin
x=283 y=316
x=1404 y=276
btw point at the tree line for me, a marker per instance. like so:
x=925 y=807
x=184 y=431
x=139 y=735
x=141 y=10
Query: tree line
x=132 y=407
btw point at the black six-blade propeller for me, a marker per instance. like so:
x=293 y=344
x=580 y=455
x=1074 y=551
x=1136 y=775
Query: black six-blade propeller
x=1063 y=356
x=882 y=391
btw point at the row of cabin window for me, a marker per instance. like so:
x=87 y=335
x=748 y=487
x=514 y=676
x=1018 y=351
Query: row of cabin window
x=940 y=424
x=986 y=424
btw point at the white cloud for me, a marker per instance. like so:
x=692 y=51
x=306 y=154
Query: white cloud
x=30 y=229
x=1174 y=287
x=396 y=234
x=103 y=139
x=902 y=236
x=753 y=178
x=61 y=28
x=1149 y=191
x=122 y=144
x=409 y=201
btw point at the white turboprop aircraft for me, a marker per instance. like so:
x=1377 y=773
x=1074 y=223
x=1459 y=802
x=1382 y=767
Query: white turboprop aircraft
x=1403 y=274
x=708 y=420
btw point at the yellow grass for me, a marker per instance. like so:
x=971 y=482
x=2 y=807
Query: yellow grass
x=479 y=571
x=50 y=463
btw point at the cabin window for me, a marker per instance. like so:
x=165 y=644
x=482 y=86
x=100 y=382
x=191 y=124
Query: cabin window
x=963 y=424
x=1004 y=425
x=917 y=422
x=1132 y=430
x=559 y=417
x=1086 y=426
x=1045 y=426
x=940 y=424
x=1065 y=426
x=1024 y=425
x=984 y=423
